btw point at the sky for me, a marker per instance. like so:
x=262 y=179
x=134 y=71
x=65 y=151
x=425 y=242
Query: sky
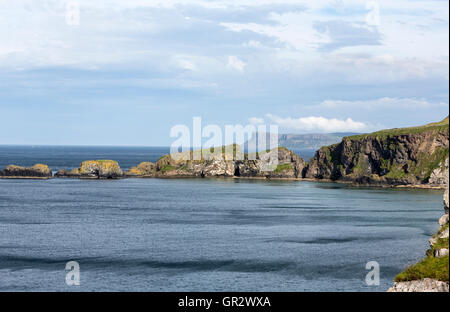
x=125 y=72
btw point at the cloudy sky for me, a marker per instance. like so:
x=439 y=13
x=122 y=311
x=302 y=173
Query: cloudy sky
x=125 y=72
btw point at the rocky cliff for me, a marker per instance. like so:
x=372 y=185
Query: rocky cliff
x=432 y=273
x=97 y=169
x=276 y=163
x=405 y=156
x=36 y=171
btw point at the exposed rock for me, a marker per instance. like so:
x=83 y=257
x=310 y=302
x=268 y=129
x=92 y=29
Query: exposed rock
x=443 y=220
x=36 y=171
x=143 y=169
x=446 y=200
x=444 y=234
x=439 y=176
x=423 y=285
x=433 y=264
x=442 y=252
x=100 y=169
x=407 y=156
x=276 y=163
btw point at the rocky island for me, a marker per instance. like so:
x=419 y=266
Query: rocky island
x=411 y=157
x=93 y=169
x=401 y=157
x=288 y=165
x=38 y=171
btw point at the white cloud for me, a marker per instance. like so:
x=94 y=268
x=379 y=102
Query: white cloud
x=253 y=44
x=321 y=124
x=235 y=63
x=256 y=120
x=185 y=64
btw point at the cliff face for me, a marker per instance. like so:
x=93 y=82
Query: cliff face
x=223 y=165
x=99 y=169
x=398 y=156
x=36 y=171
x=289 y=165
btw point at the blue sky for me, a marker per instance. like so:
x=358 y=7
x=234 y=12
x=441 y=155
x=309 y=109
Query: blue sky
x=130 y=70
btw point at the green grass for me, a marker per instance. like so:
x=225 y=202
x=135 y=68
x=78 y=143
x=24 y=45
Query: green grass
x=283 y=167
x=441 y=126
x=395 y=173
x=442 y=229
x=422 y=168
x=441 y=243
x=167 y=168
x=430 y=267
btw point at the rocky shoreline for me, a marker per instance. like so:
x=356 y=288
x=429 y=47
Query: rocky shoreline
x=289 y=167
x=431 y=274
x=413 y=157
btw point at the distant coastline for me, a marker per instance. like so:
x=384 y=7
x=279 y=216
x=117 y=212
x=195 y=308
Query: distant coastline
x=412 y=157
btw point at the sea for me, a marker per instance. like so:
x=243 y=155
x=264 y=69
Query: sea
x=217 y=234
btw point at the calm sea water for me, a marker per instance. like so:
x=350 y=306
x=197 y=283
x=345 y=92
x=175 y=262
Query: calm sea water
x=207 y=234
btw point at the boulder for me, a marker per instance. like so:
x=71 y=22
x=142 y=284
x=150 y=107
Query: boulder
x=442 y=252
x=443 y=220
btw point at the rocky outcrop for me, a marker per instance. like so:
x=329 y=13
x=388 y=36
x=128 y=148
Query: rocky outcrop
x=97 y=169
x=276 y=163
x=439 y=176
x=143 y=169
x=36 y=171
x=407 y=156
x=423 y=285
x=417 y=277
x=446 y=202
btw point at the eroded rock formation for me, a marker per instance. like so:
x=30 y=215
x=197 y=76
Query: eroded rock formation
x=36 y=171
x=100 y=169
x=276 y=163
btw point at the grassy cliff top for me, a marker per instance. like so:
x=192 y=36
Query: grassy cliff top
x=435 y=126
